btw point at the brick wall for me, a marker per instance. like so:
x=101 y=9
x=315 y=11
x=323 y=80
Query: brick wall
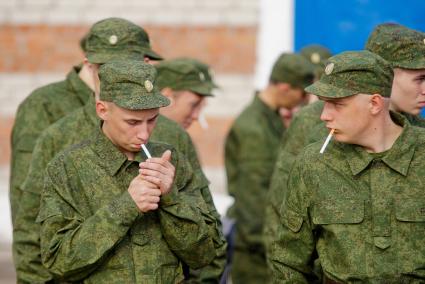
x=39 y=43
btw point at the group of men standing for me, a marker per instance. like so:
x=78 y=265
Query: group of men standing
x=87 y=204
x=353 y=213
x=106 y=185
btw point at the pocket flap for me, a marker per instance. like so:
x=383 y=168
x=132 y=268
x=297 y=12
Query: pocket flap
x=341 y=211
x=410 y=210
x=292 y=220
x=27 y=142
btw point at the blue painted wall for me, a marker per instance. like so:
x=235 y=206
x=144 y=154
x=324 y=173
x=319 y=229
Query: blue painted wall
x=346 y=24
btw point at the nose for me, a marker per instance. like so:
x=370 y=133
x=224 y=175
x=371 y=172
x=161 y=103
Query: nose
x=143 y=133
x=423 y=87
x=326 y=114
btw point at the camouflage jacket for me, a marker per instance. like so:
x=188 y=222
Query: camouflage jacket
x=305 y=128
x=92 y=231
x=61 y=135
x=363 y=213
x=38 y=111
x=250 y=154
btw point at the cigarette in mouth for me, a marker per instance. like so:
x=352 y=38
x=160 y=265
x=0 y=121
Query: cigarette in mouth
x=146 y=151
x=203 y=121
x=328 y=139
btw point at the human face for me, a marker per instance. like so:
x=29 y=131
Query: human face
x=408 y=90
x=127 y=129
x=185 y=108
x=343 y=116
x=291 y=98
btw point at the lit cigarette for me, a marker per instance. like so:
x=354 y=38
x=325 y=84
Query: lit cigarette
x=328 y=139
x=146 y=151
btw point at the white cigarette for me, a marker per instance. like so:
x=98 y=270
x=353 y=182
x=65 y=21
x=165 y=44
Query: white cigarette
x=203 y=121
x=146 y=151
x=328 y=139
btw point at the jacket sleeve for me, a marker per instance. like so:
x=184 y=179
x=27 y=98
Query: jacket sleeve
x=26 y=234
x=72 y=246
x=213 y=271
x=248 y=169
x=31 y=119
x=293 y=246
x=188 y=226
x=278 y=186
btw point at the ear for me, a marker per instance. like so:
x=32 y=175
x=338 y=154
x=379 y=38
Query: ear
x=102 y=110
x=169 y=93
x=376 y=104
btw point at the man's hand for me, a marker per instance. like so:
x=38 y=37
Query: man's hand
x=145 y=194
x=159 y=171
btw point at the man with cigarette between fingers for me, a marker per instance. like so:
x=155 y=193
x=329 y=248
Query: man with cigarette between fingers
x=360 y=204
x=132 y=42
x=108 y=215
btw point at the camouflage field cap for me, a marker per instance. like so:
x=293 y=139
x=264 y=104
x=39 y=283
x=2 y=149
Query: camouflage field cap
x=130 y=84
x=354 y=72
x=399 y=45
x=116 y=38
x=315 y=53
x=293 y=69
x=185 y=74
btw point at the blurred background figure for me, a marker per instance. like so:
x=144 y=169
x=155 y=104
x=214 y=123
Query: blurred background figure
x=250 y=152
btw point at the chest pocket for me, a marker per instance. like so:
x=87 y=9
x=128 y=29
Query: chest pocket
x=338 y=211
x=410 y=210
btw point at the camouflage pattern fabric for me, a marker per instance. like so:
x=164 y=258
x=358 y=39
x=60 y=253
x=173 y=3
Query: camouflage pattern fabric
x=116 y=38
x=58 y=137
x=250 y=153
x=130 y=85
x=305 y=128
x=354 y=72
x=39 y=110
x=293 y=69
x=362 y=212
x=399 y=45
x=317 y=55
x=92 y=231
x=182 y=74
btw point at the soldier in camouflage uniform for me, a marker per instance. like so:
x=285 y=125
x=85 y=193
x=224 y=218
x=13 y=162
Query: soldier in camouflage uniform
x=187 y=83
x=404 y=49
x=108 y=217
x=360 y=204
x=80 y=126
x=48 y=104
x=104 y=44
x=250 y=152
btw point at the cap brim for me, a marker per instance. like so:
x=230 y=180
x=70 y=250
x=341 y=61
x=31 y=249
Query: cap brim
x=328 y=91
x=153 y=55
x=141 y=102
x=414 y=64
x=203 y=90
